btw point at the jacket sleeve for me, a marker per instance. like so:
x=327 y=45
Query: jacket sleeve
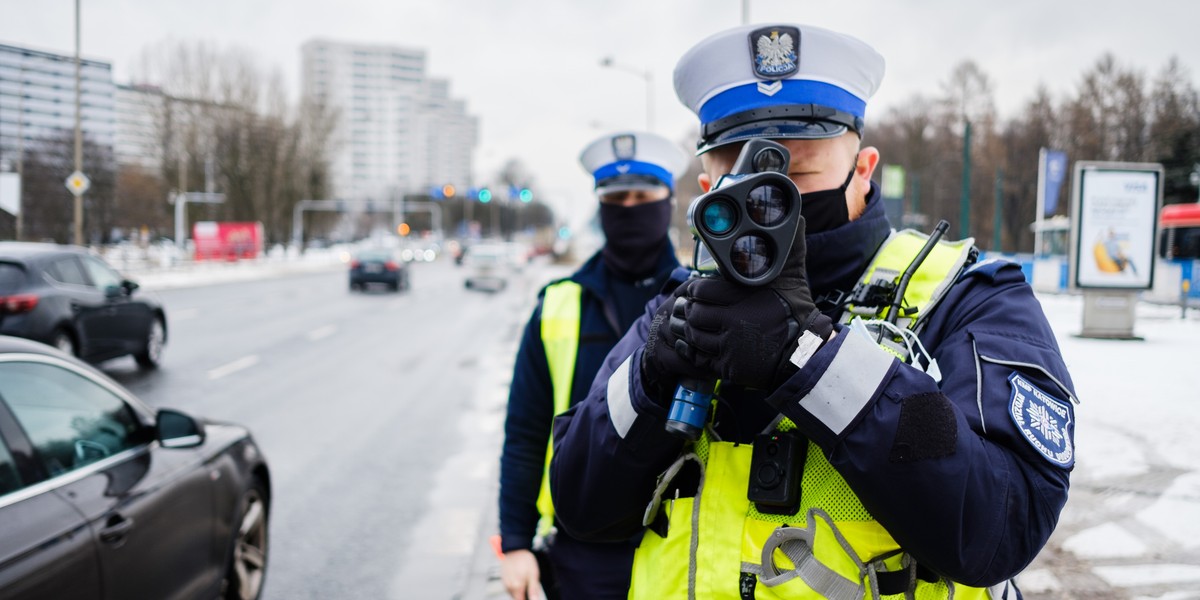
x=610 y=448
x=947 y=467
x=526 y=437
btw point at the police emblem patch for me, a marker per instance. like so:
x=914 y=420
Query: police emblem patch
x=624 y=147
x=776 y=51
x=1043 y=420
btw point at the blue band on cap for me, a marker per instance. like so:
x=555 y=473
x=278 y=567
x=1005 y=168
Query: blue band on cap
x=633 y=167
x=794 y=91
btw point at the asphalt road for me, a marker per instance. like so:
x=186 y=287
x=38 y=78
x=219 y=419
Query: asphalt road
x=381 y=416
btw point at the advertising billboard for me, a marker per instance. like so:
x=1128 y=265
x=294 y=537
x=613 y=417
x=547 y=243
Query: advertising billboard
x=1114 y=223
x=227 y=240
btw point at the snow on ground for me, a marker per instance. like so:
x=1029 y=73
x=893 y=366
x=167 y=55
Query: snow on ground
x=1133 y=519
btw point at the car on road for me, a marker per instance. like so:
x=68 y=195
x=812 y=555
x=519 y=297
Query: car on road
x=378 y=266
x=69 y=298
x=488 y=266
x=102 y=496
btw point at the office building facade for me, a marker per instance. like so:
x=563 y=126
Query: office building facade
x=398 y=131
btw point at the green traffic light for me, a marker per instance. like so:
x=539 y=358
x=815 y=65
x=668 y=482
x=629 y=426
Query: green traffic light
x=485 y=195
x=526 y=195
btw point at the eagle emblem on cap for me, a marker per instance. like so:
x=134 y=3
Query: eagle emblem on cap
x=776 y=51
x=624 y=147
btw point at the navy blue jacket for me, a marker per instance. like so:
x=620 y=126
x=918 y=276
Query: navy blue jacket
x=947 y=469
x=531 y=398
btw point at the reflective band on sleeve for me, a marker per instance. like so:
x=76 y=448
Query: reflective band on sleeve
x=848 y=384
x=620 y=405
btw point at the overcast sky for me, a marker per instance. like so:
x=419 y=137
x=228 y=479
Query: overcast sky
x=530 y=70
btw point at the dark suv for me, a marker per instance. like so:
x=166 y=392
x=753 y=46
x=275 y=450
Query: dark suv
x=380 y=266
x=68 y=298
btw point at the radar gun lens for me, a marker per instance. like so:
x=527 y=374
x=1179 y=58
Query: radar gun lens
x=769 y=159
x=719 y=217
x=767 y=205
x=751 y=256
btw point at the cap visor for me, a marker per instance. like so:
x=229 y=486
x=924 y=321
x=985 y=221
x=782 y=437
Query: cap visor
x=627 y=186
x=775 y=130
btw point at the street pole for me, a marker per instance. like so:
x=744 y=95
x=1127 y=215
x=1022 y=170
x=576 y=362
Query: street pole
x=21 y=155
x=965 y=202
x=745 y=12
x=78 y=134
x=999 y=216
x=647 y=76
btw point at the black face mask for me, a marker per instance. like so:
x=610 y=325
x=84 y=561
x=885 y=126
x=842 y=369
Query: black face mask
x=635 y=235
x=826 y=209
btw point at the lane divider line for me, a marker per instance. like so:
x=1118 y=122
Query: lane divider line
x=244 y=362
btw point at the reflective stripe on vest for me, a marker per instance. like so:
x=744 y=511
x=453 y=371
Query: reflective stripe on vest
x=561 y=316
x=717 y=545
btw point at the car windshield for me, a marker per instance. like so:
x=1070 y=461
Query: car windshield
x=375 y=255
x=11 y=278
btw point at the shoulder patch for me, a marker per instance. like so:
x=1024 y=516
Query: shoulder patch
x=1044 y=421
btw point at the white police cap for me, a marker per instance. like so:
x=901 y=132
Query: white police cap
x=633 y=160
x=777 y=81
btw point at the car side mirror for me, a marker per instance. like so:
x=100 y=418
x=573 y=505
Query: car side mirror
x=129 y=286
x=177 y=430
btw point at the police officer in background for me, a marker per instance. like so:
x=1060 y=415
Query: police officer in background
x=847 y=455
x=576 y=322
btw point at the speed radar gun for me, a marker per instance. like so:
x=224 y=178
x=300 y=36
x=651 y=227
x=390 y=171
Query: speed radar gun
x=745 y=227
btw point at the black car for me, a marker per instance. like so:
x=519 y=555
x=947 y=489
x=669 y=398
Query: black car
x=378 y=266
x=104 y=497
x=67 y=297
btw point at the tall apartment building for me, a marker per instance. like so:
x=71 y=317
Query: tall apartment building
x=139 y=110
x=399 y=131
x=37 y=101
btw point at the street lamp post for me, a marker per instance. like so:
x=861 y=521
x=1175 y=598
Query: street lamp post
x=78 y=135
x=647 y=76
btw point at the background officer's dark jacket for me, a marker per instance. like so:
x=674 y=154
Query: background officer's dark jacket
x=608 y=308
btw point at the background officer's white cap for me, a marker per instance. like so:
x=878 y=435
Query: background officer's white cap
x=777 y=81
x=633 y=160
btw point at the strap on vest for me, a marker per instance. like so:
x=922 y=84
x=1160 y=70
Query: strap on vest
x=797 y=544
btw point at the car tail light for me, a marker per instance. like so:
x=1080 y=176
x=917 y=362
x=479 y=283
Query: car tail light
x=354 y=264
x=20 y=303
x=390 y=265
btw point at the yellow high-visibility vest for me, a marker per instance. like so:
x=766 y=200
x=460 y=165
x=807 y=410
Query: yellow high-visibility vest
x=561 y=317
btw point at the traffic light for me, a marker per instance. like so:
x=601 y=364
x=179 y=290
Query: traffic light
x=448 y=190
x=526 y=195
x=403 y=229
x=485 y=195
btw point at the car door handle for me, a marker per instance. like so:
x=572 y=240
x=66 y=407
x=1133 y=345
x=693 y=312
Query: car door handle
x=115 y=531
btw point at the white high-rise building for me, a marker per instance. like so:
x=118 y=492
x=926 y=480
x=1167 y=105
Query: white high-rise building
x=398 y=131
x=37 y=101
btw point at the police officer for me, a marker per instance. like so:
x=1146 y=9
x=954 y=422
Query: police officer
x=576 y=322
x=929 y=450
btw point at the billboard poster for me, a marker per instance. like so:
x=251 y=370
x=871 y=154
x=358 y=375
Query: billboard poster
x=1115 y=223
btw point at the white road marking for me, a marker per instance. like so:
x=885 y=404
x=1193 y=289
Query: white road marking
x=321 y=333
x=244 y=362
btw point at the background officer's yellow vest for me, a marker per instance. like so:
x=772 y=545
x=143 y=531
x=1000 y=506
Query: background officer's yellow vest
x=561 y=316
x=831 y=547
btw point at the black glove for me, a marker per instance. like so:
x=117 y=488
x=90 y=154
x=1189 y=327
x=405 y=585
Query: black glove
x=743 y=334
x=666 y=357
x=792 y=285
x=747 y=334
